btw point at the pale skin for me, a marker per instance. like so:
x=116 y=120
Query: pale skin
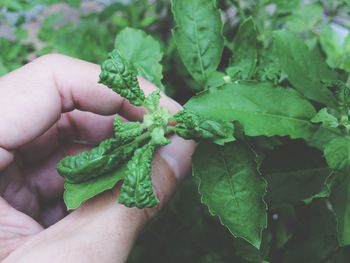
x=44 y=106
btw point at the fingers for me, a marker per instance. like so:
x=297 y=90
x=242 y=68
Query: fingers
x=33 y=97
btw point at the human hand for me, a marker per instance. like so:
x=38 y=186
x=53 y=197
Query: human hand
x=45 y=107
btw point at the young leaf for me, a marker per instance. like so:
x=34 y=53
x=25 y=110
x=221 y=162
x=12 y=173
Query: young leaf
x=326 y=119
x=337 y=153
x=261 y=109
x=190 y=125
x=245 y=54
x=120 y=76
x=143 y=52
x=126 y=131
x=232 y=188
x=91 y=164
x=198 y=36
x=305 y=69
x=137 y=190
x=76 y=194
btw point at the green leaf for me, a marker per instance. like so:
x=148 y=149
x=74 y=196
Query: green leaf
x=337 y=153
x=326 y=119
x=94 y=163
x=245 y=53
x=126 y=131
x=120 y=76
x=315 y=236
x=143 y=52
x=76 y=194
x=261 y=109
x=137 y=190
x=152 y=101
x=304 y=18
x=232 y=188
x=340 y=200
x=198 y=36
x=190 y=125
x=305 y=69
x=293 y=186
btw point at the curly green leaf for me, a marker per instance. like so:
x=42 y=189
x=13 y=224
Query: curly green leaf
x=121 y=77
x=137 y=190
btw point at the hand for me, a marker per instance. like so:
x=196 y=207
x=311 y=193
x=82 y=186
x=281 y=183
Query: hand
x=45 y=107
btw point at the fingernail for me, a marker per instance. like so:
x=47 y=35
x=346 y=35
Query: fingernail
x=178 y=155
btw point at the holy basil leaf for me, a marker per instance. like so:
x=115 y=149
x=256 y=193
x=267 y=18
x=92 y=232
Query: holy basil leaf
x=126 y=131
x=245 y=54
x=232 y=188
x=326 y=119
x=91 y=164
x=340 y=200
x=337 y=153
x=315 y=235
x=261 y=109
x=137 y=190
x=304 y=68
x=198 y=36
x=190 y=125
x=76 y=194
x=294 y=186
x=121 y=77
x=143 y=52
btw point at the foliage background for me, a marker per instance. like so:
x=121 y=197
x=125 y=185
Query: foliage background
x=184 y=231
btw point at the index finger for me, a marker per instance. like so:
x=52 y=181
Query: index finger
x=33 y=97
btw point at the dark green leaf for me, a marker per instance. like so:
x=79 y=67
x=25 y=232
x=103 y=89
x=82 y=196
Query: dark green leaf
x=245 y=54
x=232 y=188
x=340 y=200
x=261 y=109
x=198 y=36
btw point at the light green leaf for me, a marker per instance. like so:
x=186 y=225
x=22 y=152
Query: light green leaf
x=198 y=36
x=261 y=109
x=304 y=68
x=137 y=190
x=76 y=194
x=232 y=188
x=304 y=18
x=143 y=52
x=245 y=53
x=326 y=119
x=337 y=153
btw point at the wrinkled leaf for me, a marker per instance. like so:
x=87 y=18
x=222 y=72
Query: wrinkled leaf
x=120 y=76
x=137 y=190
